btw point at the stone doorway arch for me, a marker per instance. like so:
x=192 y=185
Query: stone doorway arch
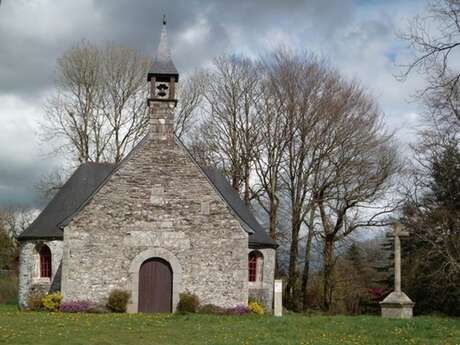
x=135 y=267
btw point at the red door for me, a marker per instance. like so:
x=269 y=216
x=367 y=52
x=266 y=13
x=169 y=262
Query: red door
x=155 y=286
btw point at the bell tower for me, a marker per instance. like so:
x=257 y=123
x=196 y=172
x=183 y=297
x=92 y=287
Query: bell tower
x=162 y=79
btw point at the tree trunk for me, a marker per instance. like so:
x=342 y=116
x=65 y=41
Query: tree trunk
x=273 y=219
x=247 y=191
x=328 y=253
x=293 y=274
x=306 y=268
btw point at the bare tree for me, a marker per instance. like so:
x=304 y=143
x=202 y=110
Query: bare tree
x=73 y=115
x=433 y=216
x=228 y=129
x=98 y=110
x=124 y=95
x=190 y=95
x=356 y=172
x=272 y=127
x=301 y=83
x=306 y=136
x=435 y=40
x=312 y=231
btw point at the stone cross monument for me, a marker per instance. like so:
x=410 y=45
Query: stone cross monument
x=397 y=304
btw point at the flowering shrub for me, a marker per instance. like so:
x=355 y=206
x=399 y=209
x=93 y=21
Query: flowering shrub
x=256 y=308
x=377 y=293
x=238 y=310
x=75 y=307
x=52 y=301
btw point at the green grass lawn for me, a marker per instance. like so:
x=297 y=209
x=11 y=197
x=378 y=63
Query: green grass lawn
x=103 y=329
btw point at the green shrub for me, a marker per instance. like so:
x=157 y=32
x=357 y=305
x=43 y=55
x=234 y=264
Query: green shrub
x=118 y=300
x=52 y=301
x=188 y=303
x=34 y=301
x=256 y=308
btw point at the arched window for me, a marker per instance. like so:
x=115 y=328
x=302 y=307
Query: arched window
x=255 y=261
x=45 y=262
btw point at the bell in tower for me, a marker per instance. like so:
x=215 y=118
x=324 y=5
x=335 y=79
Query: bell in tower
x=163 y=75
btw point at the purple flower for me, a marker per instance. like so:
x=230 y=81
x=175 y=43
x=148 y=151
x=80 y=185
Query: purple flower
x=75 y=306
x=238 y=310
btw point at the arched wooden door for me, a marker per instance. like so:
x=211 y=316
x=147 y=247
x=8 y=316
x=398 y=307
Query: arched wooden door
x=155 y=286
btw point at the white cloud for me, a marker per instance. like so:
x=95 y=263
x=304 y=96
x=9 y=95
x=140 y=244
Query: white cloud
x=358 y=37
x=45 y=20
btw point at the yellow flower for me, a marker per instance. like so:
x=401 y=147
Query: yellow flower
x=256 y=308
x=52 y=301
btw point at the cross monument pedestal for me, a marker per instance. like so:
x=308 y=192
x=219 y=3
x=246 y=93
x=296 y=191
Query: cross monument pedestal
x=397 y=304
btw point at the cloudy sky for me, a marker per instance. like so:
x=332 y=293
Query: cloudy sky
x=357 y=36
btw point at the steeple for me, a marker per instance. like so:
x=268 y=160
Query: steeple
x=162 y=77
x=163 y=66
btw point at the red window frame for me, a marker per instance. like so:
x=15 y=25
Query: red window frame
x=252 y=268
x=45 y=262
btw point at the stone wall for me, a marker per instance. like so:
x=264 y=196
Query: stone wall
x=262 y=290
x=29 y=270
x=154 y=201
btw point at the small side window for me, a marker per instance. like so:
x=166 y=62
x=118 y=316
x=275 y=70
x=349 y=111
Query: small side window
x=45 y=262
x=255 y=262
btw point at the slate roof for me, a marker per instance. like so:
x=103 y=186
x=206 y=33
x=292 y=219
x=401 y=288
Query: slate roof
x=258 y=237
x=162 y=63
x=68 y=199
x=90 y=177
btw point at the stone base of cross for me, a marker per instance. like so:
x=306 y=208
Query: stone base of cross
x=397 y=304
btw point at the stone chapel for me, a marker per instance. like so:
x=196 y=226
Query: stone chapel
x=156 y=224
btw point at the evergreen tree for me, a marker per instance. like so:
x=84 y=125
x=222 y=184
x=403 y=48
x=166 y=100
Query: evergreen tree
x=8 y=249
x=431 y=274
